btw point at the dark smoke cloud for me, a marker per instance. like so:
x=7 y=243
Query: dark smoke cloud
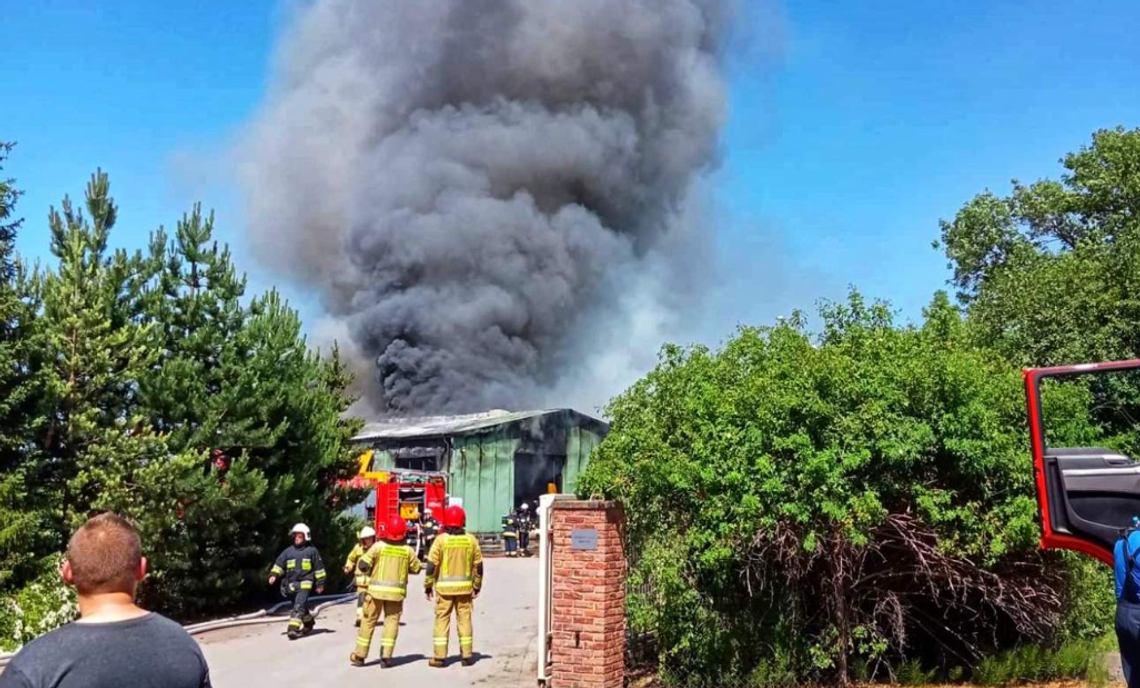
x=477 y=187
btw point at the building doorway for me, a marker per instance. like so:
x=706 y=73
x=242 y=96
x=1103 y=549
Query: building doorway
x=534 y=473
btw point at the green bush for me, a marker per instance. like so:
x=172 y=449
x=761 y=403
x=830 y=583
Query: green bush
x=1074 y=660
x=1089 y=599
x=815 y=508
x=912 y=673
x=776 y=671
x=38 y=607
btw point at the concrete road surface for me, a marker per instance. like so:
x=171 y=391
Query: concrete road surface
x=506 y=623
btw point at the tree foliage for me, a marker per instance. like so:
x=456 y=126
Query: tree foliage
x=147 y=383
x=1051 y=273
x=829 y=506
x=859 y=504
x=21 y=517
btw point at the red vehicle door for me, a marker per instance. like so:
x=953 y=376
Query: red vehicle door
x=1086 y=495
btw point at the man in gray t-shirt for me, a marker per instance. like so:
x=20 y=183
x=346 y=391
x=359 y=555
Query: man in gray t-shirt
x=114 y=644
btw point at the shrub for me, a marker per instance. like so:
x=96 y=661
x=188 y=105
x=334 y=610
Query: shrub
x=816 y=507
x=40 y=606
x=1077 y=659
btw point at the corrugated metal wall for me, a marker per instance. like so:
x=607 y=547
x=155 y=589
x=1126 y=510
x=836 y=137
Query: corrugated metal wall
x=579 y=443
x=483 y=476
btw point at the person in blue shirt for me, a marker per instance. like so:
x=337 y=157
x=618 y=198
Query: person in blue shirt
x=1127 y=570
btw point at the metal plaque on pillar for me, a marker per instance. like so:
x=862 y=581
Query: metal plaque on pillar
x=585 y=539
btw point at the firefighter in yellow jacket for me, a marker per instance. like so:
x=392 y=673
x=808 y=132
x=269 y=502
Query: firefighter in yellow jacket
x=454 y=576
x=387 y=565
x=367 y=538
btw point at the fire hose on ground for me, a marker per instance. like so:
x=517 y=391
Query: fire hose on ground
x=270 y=615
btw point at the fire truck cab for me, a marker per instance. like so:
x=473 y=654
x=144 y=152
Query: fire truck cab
x=402 y=492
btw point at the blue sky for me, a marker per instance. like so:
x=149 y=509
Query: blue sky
x=859 y=127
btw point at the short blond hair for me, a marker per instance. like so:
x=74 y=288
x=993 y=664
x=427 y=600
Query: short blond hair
x=104 y=555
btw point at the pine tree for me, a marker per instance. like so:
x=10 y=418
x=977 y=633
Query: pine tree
x=238 y=386
x=9 y=194
x=207 y=422
x=190 y=395
x=21 y=515
x=308 y=393
x=196 y=305
x=96 y=353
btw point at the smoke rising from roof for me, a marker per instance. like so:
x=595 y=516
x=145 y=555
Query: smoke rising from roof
x=485 y=191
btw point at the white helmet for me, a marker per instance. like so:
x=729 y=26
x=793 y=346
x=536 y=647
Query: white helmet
x=427 y=511
x=524 y=506
x=302 y=529
x=367 y=532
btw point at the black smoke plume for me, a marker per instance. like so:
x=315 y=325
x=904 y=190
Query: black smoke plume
x=476 y=187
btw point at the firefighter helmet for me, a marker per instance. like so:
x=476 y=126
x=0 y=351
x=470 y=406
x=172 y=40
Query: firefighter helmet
x=524 y=506
x=303 y=530
x=396 y=529
x=367 y=532
x=454 y=517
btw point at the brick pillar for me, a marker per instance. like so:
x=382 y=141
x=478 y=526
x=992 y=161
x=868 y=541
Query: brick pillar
x=588 y=611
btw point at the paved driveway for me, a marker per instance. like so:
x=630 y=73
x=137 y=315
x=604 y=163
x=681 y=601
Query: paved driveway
x=506 y=621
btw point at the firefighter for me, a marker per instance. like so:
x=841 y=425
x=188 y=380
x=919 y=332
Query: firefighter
x=511 y=533
x=387 y=564
x=526 y=523
x=412 y=533
x=301 y=572
x=454 y=577
x=367 y=538
x=430 y=530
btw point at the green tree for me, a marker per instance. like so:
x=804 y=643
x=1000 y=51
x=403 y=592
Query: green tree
x=140 y=383
x=195 y=303
x=238 y=386
x=1051 y=273
x=293 y=401
x=95 y=354
x=806 y=509
x=21 y=516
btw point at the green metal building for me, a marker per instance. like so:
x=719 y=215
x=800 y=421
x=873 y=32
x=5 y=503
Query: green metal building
x=495 y=460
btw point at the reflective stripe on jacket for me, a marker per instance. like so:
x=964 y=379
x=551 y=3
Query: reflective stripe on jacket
x=455 y=565
x=510 y=526
x=300 y=564
x=389 y=566
x=361 y=579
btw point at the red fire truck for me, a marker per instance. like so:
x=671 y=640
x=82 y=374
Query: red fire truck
x=402 y=492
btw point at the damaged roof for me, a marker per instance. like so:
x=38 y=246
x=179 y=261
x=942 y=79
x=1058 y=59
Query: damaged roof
x=444 y=426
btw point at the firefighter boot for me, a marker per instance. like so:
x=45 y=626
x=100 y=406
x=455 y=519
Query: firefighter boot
x=385 y=662
x=355 y=659
x=435 y=663
x=468 y=661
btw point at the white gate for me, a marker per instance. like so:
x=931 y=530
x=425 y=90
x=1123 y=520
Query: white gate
x=545 y=582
